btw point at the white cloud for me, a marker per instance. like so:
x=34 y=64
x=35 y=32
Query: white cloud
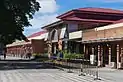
x=48 y=6
x=46 y=15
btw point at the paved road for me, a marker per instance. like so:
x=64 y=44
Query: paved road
x=31 y=71
x=111 y=74
x=42 y=75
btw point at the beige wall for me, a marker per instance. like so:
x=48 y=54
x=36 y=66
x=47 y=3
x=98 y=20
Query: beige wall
x=108 y=33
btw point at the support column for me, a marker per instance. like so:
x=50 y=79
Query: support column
x=121 y=58
x=109 y=61
x=84 y=50
x=118 y=56
x=99 y=62
x=93 y=51
x=101 y=56
x=49 y=50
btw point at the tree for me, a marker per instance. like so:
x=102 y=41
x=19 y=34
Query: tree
x=14 y=16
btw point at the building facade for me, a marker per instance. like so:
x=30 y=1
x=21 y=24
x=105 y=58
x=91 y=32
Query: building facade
x=35 y=45
x=88 y=31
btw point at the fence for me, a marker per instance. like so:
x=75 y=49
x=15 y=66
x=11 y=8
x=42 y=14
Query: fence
x=79 y=66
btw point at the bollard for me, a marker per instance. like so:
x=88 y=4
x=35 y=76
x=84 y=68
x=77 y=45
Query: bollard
x=69 y=69
x=81 y=69
x=97 y=74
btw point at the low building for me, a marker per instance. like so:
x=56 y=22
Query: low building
x=34 y=45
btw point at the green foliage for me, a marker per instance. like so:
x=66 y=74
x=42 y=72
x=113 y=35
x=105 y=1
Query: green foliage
x=45 y=55
x=71 y=55
x=38 y=55
x=14 y=16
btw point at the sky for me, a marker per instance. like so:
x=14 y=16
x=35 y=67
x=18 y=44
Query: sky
x=50 y=9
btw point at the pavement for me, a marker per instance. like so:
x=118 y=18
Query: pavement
x=43 y=75
x=31 y=71
x=111 y=74
x=13 y=58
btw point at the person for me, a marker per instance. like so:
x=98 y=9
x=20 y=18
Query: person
x=28 y=55
x=4 y=52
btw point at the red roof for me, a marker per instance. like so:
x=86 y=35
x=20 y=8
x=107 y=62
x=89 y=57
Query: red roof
x=119 y=21
x=36 y=34
x=103 y=10
x=87 y=20
x=90 y=9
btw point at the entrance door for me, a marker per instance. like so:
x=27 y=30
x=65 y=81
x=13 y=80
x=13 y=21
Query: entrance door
x=113 y=54
x=105 y=54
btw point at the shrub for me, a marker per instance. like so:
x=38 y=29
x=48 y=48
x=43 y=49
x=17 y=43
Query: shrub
x=36 y=55
x=72 y=55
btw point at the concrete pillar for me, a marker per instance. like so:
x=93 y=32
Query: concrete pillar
x=49 y=50
x=109 y=61
x=101 y=55
x=84 y=50
x=121 y=56
x=118 y=56
x=99 y=62
x=92 y=50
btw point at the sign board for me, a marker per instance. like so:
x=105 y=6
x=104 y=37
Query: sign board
x=75 y=35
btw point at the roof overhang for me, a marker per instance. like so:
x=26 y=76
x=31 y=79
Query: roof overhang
x=96 y=11
x=53 y=24
x=18 y=44
x=87 y=20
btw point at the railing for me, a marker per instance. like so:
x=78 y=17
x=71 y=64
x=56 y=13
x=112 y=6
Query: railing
x=79 y=66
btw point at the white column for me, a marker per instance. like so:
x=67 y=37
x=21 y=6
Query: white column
x=117 y=56
x=99 y=62
x=109 y=61
x=93 y=51
x=101 y=56
x=84 y=50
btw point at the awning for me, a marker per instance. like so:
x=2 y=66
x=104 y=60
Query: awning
x=46 y=36
x=63 y=30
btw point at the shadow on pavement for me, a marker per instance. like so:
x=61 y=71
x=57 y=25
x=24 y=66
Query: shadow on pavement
x=23 y=64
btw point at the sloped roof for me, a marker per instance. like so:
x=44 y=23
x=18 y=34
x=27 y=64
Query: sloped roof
x=36 y=34
x=91 y=9
x=119 y=21
x=52 y=24
x=103 y=10
x=88 y=20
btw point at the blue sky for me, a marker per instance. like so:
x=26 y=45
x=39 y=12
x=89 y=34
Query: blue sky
x=66 y=5
x=52 y=8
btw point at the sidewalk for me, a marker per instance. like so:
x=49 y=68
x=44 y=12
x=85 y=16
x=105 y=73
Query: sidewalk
x=111 y=74
x=13 y=58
